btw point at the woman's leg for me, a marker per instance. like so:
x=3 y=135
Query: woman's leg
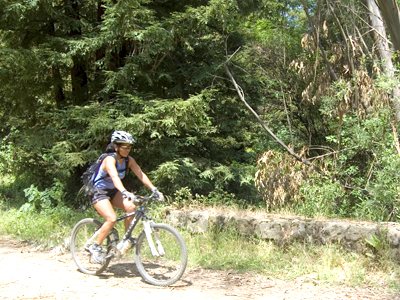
x=105 y=209
x=126 y=205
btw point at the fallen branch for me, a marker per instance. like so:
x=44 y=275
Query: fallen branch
x=241 y=96
x=304 y=161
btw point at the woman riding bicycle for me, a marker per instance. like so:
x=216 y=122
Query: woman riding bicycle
x=109 y=191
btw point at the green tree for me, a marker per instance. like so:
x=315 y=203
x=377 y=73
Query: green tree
x=73 y=71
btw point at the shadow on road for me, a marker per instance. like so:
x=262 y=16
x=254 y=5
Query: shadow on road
x=129 y=270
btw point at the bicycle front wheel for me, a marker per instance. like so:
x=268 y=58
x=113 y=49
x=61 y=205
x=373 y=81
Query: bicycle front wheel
x=83 y=235
x=168 y=267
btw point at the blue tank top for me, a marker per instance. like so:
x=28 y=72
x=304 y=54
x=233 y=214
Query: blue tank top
x=106 y=182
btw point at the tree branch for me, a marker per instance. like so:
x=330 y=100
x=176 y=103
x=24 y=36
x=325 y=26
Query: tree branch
x=287 y=115
x=316 y=36
x=291 y=152
x=241 y=96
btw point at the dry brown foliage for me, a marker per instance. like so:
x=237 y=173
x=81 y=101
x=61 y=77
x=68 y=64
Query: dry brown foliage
x=279 y=177
x=360 y=96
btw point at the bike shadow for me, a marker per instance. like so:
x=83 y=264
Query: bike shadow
x=129 y=270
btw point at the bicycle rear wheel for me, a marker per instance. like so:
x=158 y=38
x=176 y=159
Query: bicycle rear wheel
x=82 y=236
x=167 y=268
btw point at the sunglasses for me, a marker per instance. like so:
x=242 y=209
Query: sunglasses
x=125 y=147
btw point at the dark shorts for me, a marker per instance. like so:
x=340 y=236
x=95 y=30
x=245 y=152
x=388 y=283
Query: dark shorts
x=101 y=194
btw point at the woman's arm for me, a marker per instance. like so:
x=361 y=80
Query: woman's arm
x=139 y=173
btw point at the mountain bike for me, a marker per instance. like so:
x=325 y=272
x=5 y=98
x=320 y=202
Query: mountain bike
x=160 y=251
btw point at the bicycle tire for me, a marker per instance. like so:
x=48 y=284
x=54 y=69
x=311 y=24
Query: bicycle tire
x=80 y=235
x=163 y=270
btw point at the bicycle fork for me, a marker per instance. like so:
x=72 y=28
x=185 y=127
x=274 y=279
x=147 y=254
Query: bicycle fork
x=149 y=231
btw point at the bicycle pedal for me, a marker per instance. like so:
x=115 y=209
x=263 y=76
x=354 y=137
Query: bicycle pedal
x=109 y=255
x=133 y=240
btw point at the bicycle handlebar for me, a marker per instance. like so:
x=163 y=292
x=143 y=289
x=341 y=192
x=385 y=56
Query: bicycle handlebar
x=144 y=199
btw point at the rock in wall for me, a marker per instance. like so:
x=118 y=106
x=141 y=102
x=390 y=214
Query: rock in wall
x=351 y=234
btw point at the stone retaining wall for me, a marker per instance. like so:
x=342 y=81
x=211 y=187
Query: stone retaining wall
x=352 y=235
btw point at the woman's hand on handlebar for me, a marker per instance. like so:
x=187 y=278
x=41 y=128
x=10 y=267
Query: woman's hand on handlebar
x=128 y=195
x=140 y=199
x=157 y=195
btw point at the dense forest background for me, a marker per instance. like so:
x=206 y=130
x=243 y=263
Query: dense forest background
x=322 y=75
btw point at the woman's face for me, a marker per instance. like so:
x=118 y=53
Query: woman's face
x=124 y=149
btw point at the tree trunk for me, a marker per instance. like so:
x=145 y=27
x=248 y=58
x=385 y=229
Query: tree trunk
x=390 y=13
x=79 y=79
x=382 y=45
x=58 y=85
x=379 y=36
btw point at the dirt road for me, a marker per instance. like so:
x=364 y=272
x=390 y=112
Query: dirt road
x=29 y=274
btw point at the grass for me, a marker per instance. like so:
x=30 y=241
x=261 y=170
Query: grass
x=328 y=264
x=227 y=250
x=48 y=229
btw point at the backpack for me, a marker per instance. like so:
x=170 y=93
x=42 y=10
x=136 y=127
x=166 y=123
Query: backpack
x=89 y=176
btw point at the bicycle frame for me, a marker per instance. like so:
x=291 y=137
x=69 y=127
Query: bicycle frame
x=147 y=224
x=137 y=214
